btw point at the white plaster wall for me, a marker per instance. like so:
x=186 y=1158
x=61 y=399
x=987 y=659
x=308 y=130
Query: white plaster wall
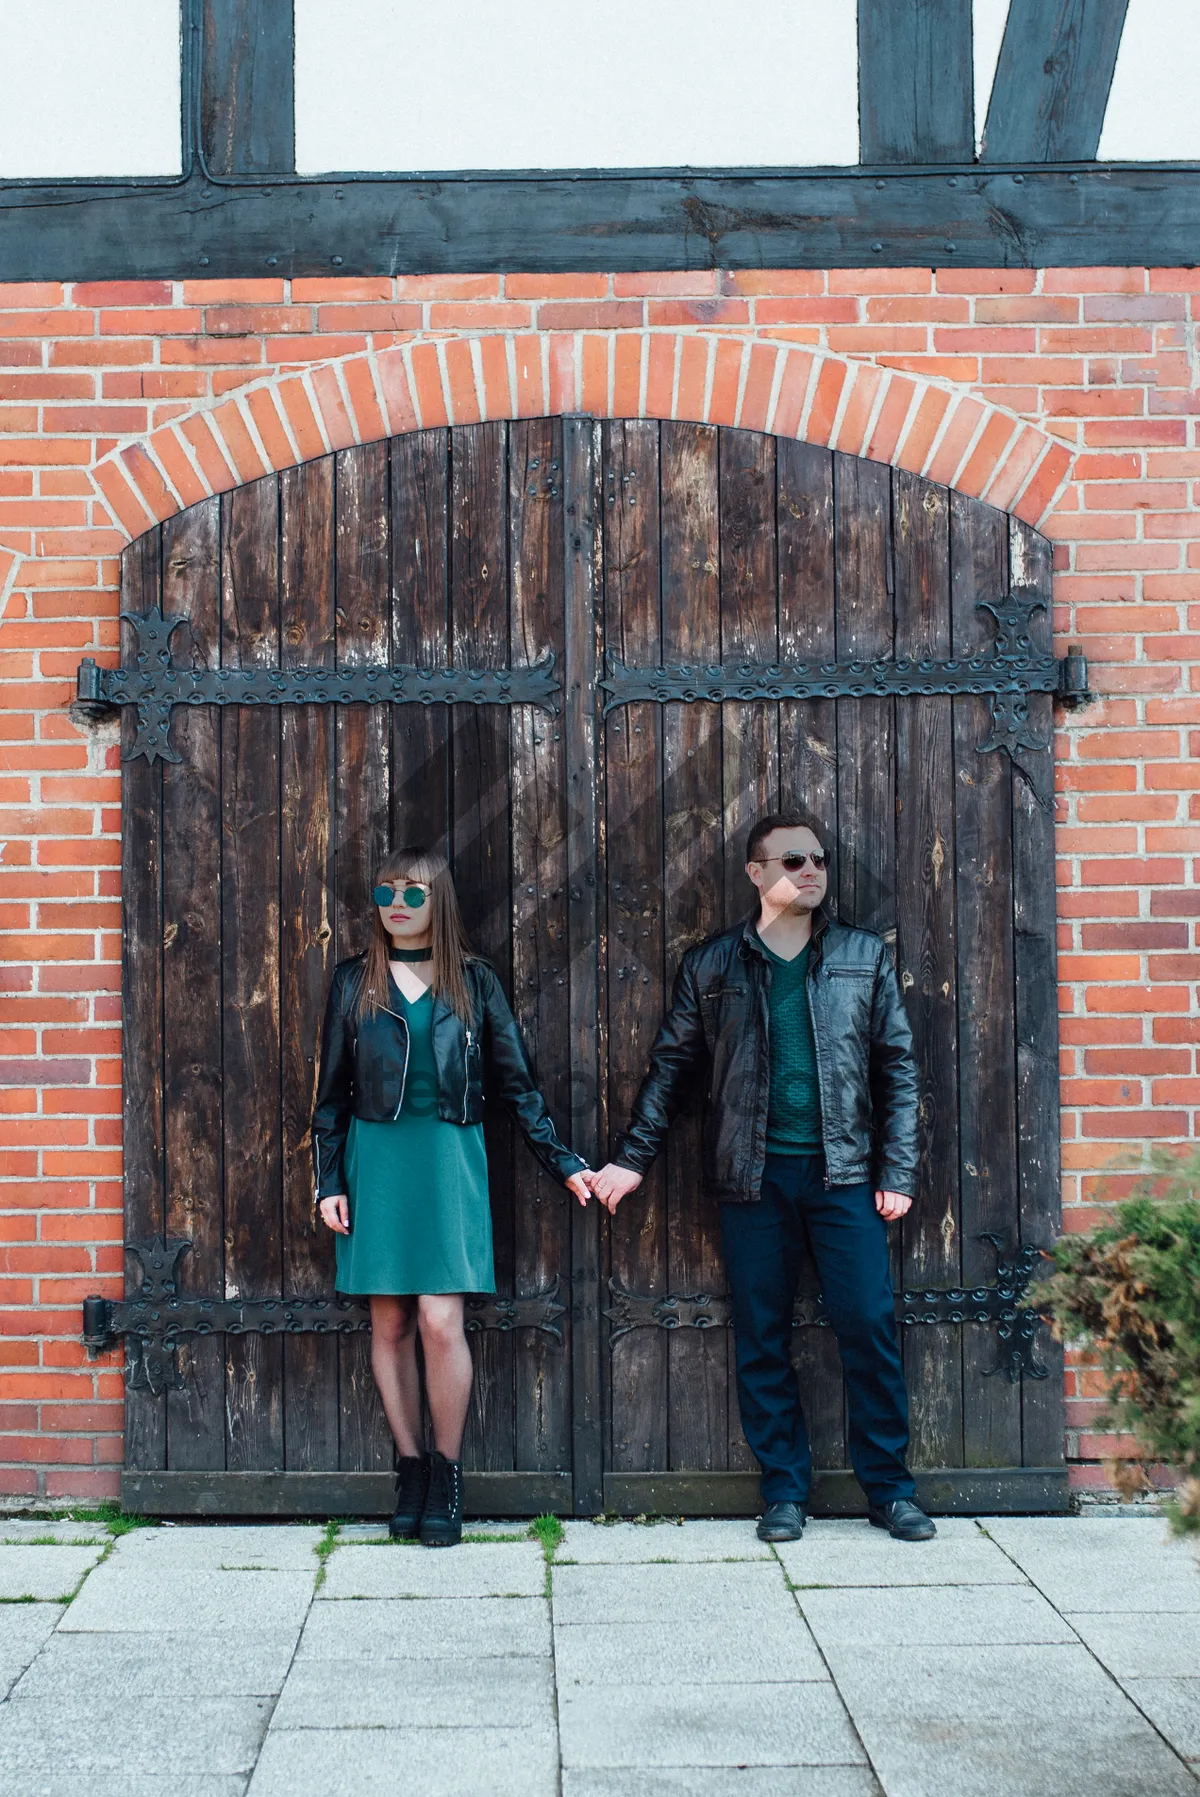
x=988 y=19
x=403 y=84
x=1154 y=104
x=89 y=87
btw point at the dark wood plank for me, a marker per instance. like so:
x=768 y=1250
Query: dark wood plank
x=545 y=223
x=693 y=907
x=420 y=470
x=634 y=850
x=583 y=638
x=1035 y=969
x=307 y=896
x=808 y=779
x=542 y=1222
x=1051 y=88
x=192 y=1073
x=987 y=1048
x=927 y=958
x=363 y=807
x=250 y=1048
x=142 y=997
x=247 y=98
x=865 y=627
x=480 y=636
x=915 y=81
x=749 y=733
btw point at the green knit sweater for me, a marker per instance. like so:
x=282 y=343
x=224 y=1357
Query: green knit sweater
x=794 y=1105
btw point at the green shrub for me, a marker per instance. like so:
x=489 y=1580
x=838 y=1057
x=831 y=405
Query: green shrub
x=1132 y=1288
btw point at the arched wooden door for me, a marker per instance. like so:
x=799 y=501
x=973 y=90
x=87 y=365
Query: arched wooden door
x=707 y=597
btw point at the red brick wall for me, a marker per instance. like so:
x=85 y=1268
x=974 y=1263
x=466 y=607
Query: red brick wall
x=1067 y=395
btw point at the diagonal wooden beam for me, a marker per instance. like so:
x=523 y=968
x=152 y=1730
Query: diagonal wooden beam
x=247 y=90
x=915 y=81
x=1052 y=80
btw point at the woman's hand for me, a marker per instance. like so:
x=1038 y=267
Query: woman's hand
x=335 y=1212
x=578 y=1185
x=612 y=1183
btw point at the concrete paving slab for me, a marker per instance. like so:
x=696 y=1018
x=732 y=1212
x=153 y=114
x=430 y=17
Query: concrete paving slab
x=102 y=1734
x=215 y=1665
x=148 y=1784
x=705 y=1725
x=1140 y=1645
x=436 y=1628
x=24 y=1631
x=381 y=1762
x=139 y=1599
x=486 y=1569
x=1173 y=1705
x=628 y=1543
x=21 y=1531
x=938 y=1615
x=216 y=1547
x=724 y=1781
x=1107 y=1535
x=871 y=1557
x=47 y=1573
x=774 y=1649
x=485 y=1693
x=1105 y=1565
x=700 y=1595
x=1040 y=1721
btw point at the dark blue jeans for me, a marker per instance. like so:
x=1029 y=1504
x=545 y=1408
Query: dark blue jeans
x=847 y=1237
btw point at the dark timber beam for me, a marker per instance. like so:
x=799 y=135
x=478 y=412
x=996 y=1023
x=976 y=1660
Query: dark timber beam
x=915 y=81
x=247 y=89
x=972 y=216
x=1052 y=80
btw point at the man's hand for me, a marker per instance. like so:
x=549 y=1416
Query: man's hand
x=578 y=1184
x=335 y=1212
x=612 y=1183
x=892 y=1205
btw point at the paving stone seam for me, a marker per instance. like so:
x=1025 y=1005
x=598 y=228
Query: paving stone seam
x=1111 y=1676
x=867 y=1760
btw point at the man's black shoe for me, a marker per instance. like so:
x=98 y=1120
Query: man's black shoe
x=781 y=1522
x=903 y=1519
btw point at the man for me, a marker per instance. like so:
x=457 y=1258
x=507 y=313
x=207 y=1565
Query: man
x=810 y=1132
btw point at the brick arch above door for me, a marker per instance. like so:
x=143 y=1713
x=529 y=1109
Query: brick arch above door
x=949 y=434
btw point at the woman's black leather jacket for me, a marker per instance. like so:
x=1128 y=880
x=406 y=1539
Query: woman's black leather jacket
x=364 y=1063
x=716 y=1032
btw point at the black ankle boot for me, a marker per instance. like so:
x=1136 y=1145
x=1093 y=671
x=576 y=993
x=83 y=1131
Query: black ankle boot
x=412 y=1486
x=441 y=1524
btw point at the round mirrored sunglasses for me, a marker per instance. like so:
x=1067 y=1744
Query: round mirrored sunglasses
x=412 y=895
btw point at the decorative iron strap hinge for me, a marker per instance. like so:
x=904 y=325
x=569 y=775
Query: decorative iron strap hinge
x=999 y=1303
x=156 y=684
x=155 y=1322
x=1009 y=673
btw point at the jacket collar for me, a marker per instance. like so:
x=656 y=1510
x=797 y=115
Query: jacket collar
x=750 y=942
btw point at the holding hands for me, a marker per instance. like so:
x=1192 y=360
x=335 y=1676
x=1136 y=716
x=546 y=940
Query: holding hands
x=610 y=1184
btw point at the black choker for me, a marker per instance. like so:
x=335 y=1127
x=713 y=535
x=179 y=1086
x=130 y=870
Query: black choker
x=410 y=954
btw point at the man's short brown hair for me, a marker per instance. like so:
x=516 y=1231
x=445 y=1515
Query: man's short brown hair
x=780 y=820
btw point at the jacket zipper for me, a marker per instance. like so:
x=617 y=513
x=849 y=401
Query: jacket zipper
x=466 y=1074
x=403 y=1021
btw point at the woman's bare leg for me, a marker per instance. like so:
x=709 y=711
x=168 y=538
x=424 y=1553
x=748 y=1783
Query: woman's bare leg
x=448 y=1368
x=394 y=1364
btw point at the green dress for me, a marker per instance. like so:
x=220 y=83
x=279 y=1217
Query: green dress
x=420 y=1220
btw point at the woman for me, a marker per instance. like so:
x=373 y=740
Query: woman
x=415 y=1028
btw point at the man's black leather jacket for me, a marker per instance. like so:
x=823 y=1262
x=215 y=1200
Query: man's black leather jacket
x=718 y=1019
x=364 y=1062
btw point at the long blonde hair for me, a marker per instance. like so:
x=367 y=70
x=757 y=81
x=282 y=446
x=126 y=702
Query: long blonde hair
x=450 y=942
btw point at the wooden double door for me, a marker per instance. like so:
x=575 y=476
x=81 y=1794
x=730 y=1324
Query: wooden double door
x=677 y=574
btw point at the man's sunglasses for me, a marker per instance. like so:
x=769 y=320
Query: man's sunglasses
x=413 y=896
x=793 y=863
